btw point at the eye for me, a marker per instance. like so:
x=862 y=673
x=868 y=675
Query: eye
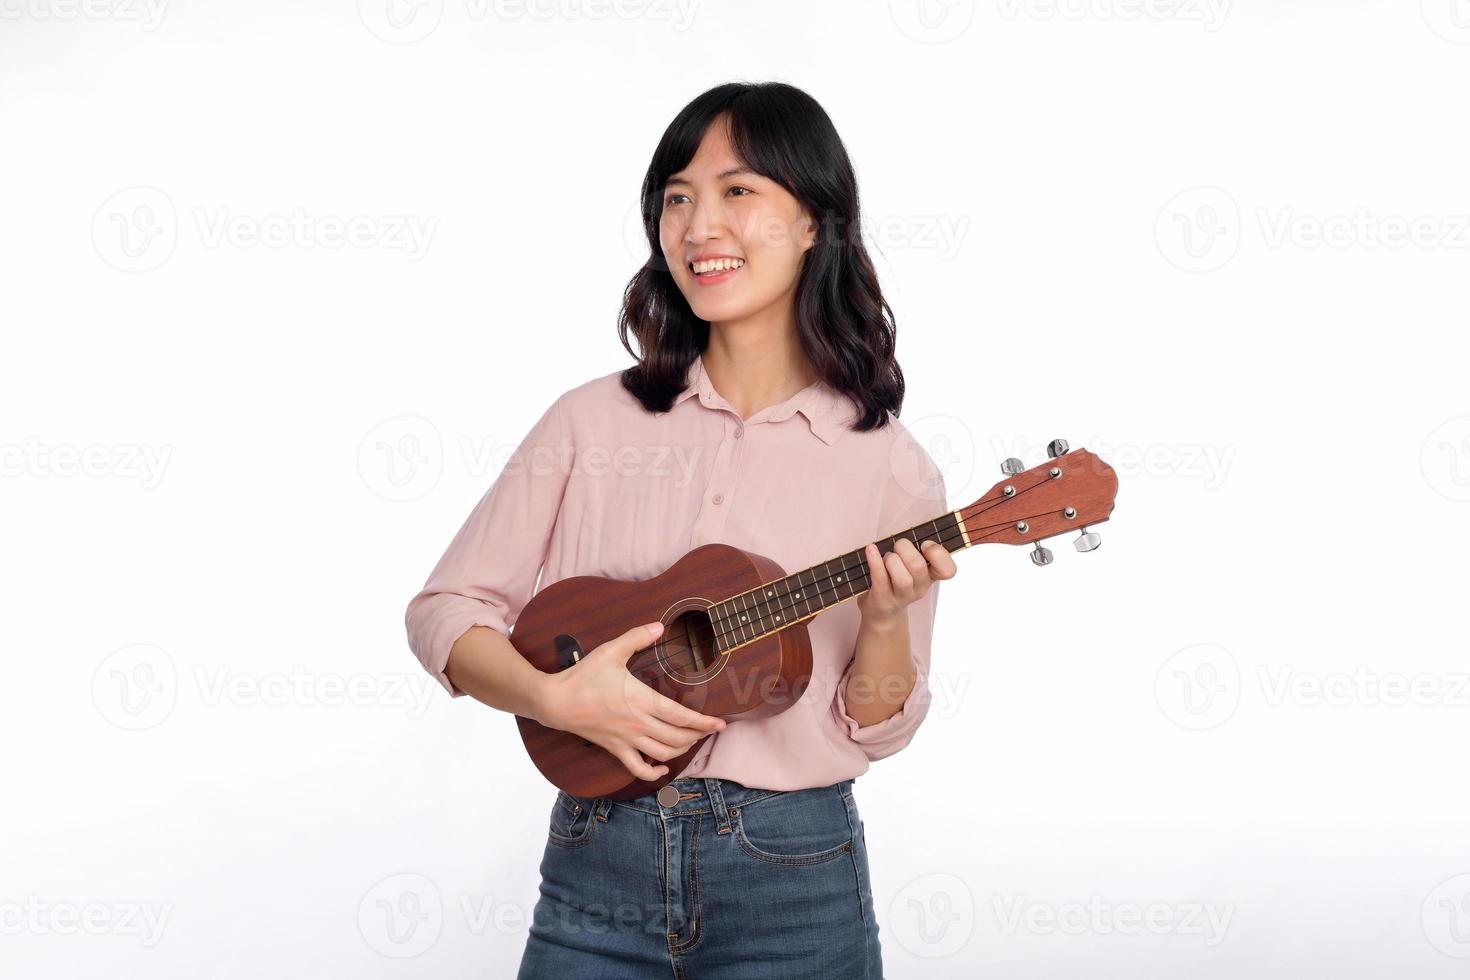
x=747 y=190
x=670 y=199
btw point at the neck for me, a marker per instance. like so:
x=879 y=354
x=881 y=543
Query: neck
x=773 y=606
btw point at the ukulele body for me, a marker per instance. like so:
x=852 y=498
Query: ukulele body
x=736 y=682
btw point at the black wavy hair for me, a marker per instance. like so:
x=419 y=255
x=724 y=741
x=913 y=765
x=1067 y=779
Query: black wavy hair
x=845 y=325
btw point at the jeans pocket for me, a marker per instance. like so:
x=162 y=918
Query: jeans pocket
x=571 y=822
x=795 y=828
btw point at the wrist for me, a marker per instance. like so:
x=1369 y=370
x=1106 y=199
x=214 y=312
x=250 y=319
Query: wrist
x=542 y=700
x=884 y=624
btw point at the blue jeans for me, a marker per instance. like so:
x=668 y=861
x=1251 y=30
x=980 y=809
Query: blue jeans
x=727 y=882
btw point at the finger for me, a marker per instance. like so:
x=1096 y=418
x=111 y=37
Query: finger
x=656 y=749
x=637 y=638
x=634 y=763
x=913 y=559
x=671 y=711
x=898 y=574
x=877 y=572
x=672 y=734
x=941 y=562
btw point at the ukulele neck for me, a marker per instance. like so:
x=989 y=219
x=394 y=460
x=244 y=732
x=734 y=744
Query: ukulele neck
x=775 y=605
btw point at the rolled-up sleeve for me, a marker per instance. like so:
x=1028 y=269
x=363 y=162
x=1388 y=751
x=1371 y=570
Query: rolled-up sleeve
x=916 y=499
x=489 y=571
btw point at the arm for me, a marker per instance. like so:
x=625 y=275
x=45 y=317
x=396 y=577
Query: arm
x=883 y=695
x=488 y=573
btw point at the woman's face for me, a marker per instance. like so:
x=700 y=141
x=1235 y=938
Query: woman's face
x=714 y=208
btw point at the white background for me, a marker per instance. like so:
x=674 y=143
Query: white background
x=1224 y=245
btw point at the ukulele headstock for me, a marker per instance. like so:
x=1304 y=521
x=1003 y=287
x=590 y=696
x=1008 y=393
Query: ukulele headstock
x=1071 y=491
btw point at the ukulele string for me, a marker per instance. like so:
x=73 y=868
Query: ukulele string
x=954 y=533
x=984 y=533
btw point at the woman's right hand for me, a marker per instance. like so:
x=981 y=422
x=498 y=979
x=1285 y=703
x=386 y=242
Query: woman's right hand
x=600 y=700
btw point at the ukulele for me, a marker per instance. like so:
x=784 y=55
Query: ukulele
x=734 y=643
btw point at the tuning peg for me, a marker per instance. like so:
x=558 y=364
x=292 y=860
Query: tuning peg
x=1057 y=447
x=1087 y=540
x=1012 y=466
x=1041 y=556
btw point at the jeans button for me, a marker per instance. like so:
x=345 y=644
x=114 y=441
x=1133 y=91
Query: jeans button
x=668 y=795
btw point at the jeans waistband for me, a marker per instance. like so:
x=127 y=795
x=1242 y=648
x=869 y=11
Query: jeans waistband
x=713 y=794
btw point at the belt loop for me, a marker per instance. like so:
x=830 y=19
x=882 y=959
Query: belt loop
x=601 y=807
x=717 y=802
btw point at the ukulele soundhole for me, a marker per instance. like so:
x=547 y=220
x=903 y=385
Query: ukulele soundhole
x=689 y=644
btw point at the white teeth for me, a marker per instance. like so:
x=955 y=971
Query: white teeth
x=716 y=265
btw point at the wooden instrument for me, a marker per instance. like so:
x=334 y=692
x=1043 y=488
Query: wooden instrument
x=734 y=643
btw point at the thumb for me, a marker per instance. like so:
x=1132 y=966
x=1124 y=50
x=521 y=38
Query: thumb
x=637 y=638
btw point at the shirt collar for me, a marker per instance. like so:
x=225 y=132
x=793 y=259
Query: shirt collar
x=821 y=404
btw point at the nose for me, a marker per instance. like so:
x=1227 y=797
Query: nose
x=706 y=221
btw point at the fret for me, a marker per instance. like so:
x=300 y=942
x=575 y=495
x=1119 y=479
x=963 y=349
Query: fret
x=777 y=604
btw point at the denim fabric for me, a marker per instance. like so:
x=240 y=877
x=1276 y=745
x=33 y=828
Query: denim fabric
x=728 y=882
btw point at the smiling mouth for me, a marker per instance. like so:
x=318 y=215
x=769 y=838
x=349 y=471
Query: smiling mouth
x=715 y=267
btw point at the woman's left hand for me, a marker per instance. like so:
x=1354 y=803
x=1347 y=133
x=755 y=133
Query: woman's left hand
x=902 y=576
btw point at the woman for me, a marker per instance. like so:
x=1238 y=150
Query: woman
x=761 y=413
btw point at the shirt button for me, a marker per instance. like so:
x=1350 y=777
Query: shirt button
x=739 y=431
x=719 y=498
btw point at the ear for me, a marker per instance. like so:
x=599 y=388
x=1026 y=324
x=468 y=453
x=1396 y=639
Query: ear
x=807 y=236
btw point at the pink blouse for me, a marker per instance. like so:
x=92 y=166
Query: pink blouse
x=601 y=486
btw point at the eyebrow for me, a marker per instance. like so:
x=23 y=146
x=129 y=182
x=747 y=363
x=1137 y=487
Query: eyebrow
x=732 y=172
